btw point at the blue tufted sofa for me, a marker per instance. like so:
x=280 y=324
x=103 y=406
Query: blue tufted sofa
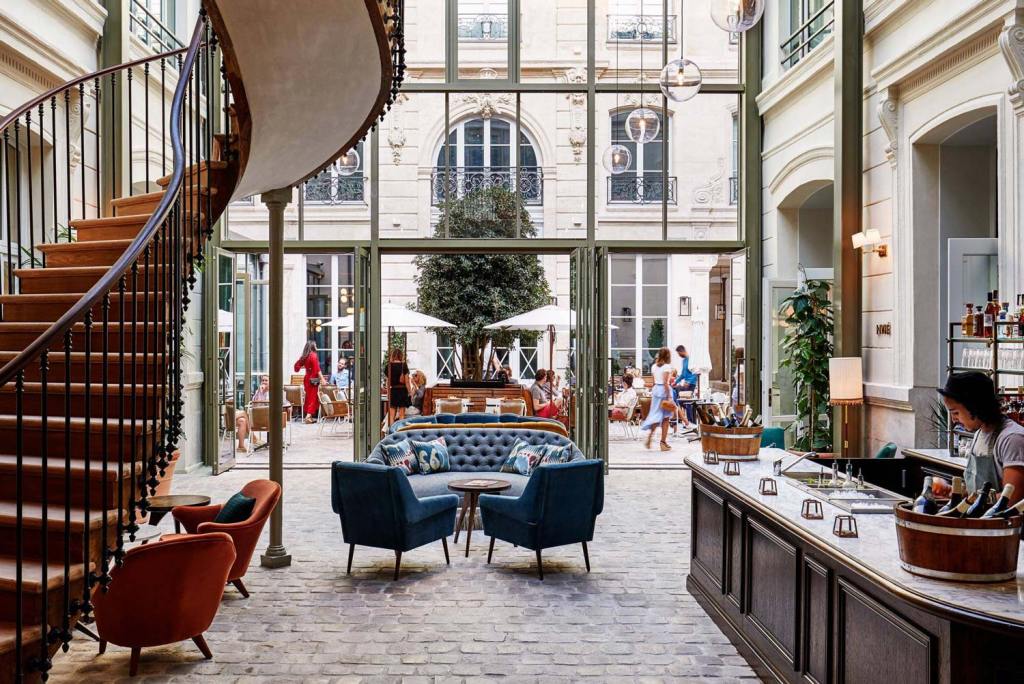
x=463 y=418
x=473 y=452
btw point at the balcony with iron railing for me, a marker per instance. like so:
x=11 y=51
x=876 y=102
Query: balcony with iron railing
x=151 y=29
x=641 y=28
x=483 y=27
x=644 y=189
x=810 y=33
x=458 y=181
x=734 y=189
x=334 y=189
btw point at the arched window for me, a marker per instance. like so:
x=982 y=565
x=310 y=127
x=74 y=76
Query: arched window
x=478 y=154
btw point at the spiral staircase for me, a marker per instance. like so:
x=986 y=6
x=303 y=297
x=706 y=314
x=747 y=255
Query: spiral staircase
x=101 y=262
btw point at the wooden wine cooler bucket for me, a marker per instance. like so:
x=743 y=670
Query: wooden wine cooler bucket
x=958 y=549
x=731 y=443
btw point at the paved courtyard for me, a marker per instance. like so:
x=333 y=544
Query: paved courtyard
x=630 y=619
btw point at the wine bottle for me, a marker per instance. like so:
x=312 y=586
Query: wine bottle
x=955 y=497
x=1015 y=509
x=980 y=504
x=959 y=510
x=1001 y=504
x=925 y=503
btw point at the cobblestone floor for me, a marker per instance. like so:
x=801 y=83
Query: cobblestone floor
x=631 y=619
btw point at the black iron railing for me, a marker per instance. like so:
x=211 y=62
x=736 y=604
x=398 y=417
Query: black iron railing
x=483 y=27
x=458 y=181
x=646 y=189
x=328 y=188
x=812 y=29
x=641 y=28
x=150 y=29
x=99 y=389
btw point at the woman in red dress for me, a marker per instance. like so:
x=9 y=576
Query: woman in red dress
x=311 y=381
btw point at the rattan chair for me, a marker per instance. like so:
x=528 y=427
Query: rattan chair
x=259 y=421
x=332 y=410
x=513 y=406
x=450 y=405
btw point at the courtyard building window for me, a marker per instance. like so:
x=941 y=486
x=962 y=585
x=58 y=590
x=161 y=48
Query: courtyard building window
x=810 y=22
x=643 y=182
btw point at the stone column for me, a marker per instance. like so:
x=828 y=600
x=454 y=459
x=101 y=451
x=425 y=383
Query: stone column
x=1011 y=260
x=276 y=201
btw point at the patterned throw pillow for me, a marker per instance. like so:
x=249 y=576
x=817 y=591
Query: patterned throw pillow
x=555 y=454
x=432 y=456
x=401 y=454
x=522 y=459
x=236 y=509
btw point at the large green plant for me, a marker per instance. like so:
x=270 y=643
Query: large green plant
x=806 y=349
x=472 y=291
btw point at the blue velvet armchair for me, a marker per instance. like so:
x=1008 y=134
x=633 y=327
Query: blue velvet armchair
x=378 y=508
x=559 y=506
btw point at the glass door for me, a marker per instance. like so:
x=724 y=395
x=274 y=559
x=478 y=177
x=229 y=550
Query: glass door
x=736 y=330
x=227 y=345
x=779 y=394
x=366 y=433
x=589 y=358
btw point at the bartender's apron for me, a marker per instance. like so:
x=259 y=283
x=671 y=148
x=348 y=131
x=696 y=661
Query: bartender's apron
x=982 y=465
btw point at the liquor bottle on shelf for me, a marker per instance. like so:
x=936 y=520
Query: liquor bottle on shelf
x=967 y=321
x=980 y=504
x=1001 y=504
x=1020 y=316
x=1015 y=509
x=979 y=320
x=955 y=496
x=989 y=317
x=925 y=503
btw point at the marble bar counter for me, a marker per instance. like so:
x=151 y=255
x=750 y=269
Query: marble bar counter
x=802 y=604
x=939 y=457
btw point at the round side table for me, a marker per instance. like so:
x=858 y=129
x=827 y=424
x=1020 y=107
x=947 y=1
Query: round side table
x=471 y=490
x=159 y=506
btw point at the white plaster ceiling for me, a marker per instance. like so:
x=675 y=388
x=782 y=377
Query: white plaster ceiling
x=312 y=73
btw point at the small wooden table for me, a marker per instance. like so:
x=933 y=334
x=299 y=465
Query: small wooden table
x=159 y=506
x=472 y=489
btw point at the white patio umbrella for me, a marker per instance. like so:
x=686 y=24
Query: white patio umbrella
x=700 y=357
x=395 y=318
x=548 y=318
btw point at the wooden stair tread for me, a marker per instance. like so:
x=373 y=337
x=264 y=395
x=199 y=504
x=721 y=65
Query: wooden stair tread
x=32 y=516
x=8 y=634
x=192 y=170
x=127 y=220
x=157 y=195
x=40 y=326
x=90 y=245
x=32 y=574
x=57 y=358
x=63 y=297
x=76 y=423
x=56 y=386
x=67 y=271
x=34 y=465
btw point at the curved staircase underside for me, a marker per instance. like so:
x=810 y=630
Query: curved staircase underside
x=309 y=77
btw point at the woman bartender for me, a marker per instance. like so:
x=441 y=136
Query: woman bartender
x=997 y=450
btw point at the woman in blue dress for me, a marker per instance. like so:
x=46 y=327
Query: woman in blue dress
x=662 y=372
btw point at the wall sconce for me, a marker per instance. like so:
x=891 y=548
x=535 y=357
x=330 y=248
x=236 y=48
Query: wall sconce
x=868 y=238
x=684 y=306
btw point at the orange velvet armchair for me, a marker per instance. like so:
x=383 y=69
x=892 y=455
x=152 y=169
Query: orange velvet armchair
x=199 y=519
x=136 y=613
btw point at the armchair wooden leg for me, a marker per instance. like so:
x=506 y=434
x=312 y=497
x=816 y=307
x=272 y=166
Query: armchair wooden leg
x=490 y=551
x=103 y=646
x=540 y=566
x=200 y=641
x=447 y=559
x=398 y=563
x=351 y=552
x=133 y=664
x=240 y=587
x=586 y=556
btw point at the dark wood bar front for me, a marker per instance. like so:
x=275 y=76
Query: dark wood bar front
x=804 y=605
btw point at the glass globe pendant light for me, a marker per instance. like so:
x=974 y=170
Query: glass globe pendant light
x=680 y=80
x=642 y=125
x=617 y=159
x=736 y=16
x=348 y=163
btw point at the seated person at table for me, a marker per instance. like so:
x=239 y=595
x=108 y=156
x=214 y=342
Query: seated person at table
x=340 y=377
x=262 y=393
x=543 y=405
x=625 y=399
x=419 y=384
x=686 y=381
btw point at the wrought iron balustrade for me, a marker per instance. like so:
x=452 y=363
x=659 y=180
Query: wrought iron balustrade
x=641 y=28
x=811 y=32
x=148 y=28
x=334 y=189
x=483 y=27
x=459 y=181
x=645 y=189
x=734 y=189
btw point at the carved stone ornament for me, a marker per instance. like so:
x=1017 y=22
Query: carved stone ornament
x=1011 y=42
x=396 y=132
x=577 y=114
x=711 y=192
x=74 y=126
x=487 y=104
x=888 y=116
